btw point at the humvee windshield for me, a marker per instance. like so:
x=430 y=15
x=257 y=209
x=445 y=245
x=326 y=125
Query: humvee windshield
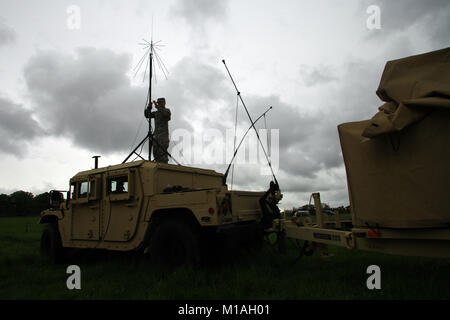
x=83 y=189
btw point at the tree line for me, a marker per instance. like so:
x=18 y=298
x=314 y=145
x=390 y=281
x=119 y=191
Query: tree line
x=22 y=203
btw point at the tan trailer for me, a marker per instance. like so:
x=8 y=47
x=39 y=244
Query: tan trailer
x=397 y=167
x=431 y=242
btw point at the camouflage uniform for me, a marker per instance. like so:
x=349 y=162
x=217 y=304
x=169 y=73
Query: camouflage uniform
x=161 y=134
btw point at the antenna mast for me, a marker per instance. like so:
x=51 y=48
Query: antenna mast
x=150 y=53
x=149 y=101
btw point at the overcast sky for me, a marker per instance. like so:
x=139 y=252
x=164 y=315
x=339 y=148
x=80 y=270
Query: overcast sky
x=68 y=89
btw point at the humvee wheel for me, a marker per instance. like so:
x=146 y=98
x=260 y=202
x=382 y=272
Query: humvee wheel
x=51 y=247
x=175 y=243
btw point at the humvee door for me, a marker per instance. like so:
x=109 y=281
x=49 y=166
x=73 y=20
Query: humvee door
x=85 y=207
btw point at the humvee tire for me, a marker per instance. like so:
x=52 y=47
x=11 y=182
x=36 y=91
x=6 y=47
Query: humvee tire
x=175 y=243
x=51 y=247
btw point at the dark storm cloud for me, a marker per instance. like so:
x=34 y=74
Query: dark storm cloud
x=309 y=141
x=197 y=13
x=355 y=98
x=320 y=74
x=200 y=92
x=87 y=97
x=196 y=83
x=7 y=34
x=296 y=133
x=399 y=15
x=17 y=127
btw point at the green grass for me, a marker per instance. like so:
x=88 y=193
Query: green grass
x=264 y=274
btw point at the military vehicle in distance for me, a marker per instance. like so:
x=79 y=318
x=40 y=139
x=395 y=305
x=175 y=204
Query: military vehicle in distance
x=164 y=209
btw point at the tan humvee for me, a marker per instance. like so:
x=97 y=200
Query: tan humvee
x=158 y=208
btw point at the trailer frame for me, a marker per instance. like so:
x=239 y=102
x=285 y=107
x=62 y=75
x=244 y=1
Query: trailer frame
x=428 y=242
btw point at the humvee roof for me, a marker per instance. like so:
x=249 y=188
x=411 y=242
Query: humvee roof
x=149 y=164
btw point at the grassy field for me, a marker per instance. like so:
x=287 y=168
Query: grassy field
x=260 y=275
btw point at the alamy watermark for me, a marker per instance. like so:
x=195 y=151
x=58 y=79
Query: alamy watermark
x=73 y=21
x=374 y=280
x=214 y=147
x=374 y=19
x=74 y=280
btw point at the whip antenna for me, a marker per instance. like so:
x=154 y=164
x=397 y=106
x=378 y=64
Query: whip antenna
x=234 y=142
x=252 y=123
x=239 y=145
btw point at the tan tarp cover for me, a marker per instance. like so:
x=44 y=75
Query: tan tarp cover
x=398 y=162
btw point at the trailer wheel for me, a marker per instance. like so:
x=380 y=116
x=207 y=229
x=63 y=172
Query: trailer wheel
x=51 y=246
x=175 y=243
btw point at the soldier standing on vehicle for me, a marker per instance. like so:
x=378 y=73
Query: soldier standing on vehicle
x=161 y=132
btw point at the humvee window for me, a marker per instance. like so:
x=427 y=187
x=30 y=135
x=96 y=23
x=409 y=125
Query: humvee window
x=118 y=185
x=83 y=189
